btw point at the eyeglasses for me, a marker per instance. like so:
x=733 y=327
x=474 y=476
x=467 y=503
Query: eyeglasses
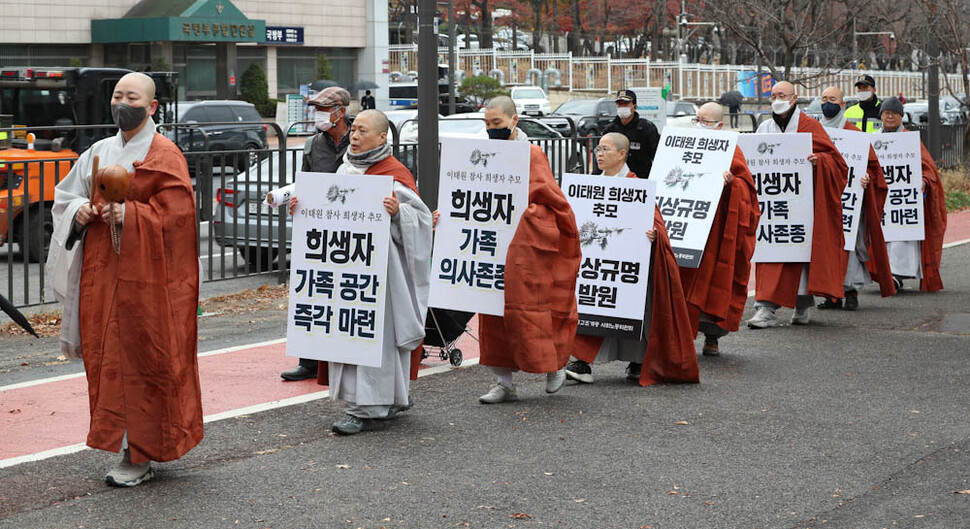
x=603 y=150
x=775 y=97
x=707 y=122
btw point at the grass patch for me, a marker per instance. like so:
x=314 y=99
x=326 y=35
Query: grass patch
x=956 y=185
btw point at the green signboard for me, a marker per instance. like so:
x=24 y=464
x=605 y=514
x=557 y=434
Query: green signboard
x=180 y=21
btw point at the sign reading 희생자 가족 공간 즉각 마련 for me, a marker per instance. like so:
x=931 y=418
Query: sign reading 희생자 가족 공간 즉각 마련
x=483 y=191
x=613 y=215
x=341 y=237
x=784 y=181
x=689 y=171
x=901 y=159
x=854 y=146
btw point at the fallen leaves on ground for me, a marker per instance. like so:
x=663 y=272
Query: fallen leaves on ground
x=521 y=516
x=46 y=324
x=250 y=300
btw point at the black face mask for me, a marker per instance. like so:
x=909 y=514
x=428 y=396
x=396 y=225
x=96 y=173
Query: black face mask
x=830 y=110
x=499 y=134
x=128 y=117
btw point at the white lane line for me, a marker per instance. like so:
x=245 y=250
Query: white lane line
x=955 y=243
x=229 y=414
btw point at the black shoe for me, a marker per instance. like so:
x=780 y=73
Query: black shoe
x=394 y=410
x=830 y=304
x=851 y=301
x=580 y=372
x=299 y=372
x=897 y=282
x=633 y=371
x=710 y=346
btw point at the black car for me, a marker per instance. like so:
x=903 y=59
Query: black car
x=590 y=116
x=248 y=133
x=462 y=105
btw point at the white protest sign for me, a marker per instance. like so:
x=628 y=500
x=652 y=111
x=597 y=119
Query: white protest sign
x=854 y=147
x=785 y=183
x=613 y=215
x=689 y=171
x=338 y=269
x=901 y=158
x=483 y=191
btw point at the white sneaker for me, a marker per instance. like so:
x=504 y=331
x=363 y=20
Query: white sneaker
x=554 y=381
x=800 y=317
x=764 y=318
x=499 y=393
x=126 y=474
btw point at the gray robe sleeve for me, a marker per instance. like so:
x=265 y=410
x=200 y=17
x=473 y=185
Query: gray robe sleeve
x=409 y=268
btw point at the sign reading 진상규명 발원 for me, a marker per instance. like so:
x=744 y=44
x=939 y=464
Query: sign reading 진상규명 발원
x=854 y=146
x=613 y=215
x=482 y=193
x=901 y=159
x=784 y=180
x=338 y=270
x=689 y=171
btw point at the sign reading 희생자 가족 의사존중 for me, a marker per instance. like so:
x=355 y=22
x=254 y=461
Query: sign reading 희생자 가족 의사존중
x=689 y=170
x=854 y=147
x=901 y=159
x=483 y=191
x=784 y=180
x=613 y=215
x=341 y=238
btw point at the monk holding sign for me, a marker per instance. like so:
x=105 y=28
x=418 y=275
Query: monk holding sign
x=718 y=289
x=795 y=284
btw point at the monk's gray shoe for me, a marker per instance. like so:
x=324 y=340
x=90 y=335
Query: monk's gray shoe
x=554 y=381
x=351 y=424
x=394 y=410
x=127 y=474
x=763 y=319
x=499 y=393
x=800 y=317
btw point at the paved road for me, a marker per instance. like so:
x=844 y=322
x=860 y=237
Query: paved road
x=859 y=420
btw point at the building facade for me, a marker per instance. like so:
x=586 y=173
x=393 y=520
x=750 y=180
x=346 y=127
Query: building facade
x=209 y=42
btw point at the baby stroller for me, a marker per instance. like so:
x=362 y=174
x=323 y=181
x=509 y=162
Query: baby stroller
x=442 y=328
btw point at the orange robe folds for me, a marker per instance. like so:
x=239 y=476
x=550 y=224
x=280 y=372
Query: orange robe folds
x=873 y=201
x=389 y=166
x=539 y=324
x=934 y=213
x=670 y=354
x=778 y=282
x=138 y=315
x=719 y=286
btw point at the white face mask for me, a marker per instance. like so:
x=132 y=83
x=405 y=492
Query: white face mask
x=780 y=106
x=864 y=95
x=624 y=112
x=322 y=120
x=705 y=126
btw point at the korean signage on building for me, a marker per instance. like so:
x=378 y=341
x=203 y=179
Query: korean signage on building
x=284 y=35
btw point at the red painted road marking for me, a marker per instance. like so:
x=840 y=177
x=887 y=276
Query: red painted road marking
x=54 y=415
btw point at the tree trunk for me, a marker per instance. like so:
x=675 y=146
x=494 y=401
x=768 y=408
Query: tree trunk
x=573 y=42
x=537 y=10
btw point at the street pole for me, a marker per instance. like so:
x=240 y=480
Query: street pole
x=451 y=57
x=933 y=86
x=428 y=103
x=855 y=45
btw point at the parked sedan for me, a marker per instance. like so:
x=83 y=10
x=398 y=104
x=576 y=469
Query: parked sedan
x=681 y=114
x=590 y=116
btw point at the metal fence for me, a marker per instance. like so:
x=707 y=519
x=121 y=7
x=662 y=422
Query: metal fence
x=238 y=234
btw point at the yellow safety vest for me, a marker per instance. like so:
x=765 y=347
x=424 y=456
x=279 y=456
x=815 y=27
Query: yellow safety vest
x=855 y=115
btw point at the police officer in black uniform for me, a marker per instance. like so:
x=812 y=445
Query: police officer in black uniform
x=641 y=132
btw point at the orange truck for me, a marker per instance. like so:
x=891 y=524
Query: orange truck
x=48 y=117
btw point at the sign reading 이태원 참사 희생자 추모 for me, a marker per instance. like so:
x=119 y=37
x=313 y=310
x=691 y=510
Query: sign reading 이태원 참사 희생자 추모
x=613 y=215
x=689 y=172
x=483 y=191
x=341 y=238
x=901 y=159
x=785 y=182
x=854 y=147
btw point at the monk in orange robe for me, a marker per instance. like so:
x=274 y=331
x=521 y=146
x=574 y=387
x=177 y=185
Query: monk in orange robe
x=538 y=327
x=717 y=290
x=668 y=353
x=132 y=314
x=795 y=284
x=919 y=259
x=869 y=260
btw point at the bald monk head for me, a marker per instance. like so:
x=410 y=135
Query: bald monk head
x=369 y=131
x=710 y=116
x=611 y=153
x=133 y=103
x=833 y=102
x=785 y=92
x=500 y=116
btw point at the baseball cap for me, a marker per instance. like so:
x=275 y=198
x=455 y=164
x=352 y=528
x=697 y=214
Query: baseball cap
x=865 y=80
x=626 y=95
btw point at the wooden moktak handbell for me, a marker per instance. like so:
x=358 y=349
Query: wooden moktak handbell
x=112 y=182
